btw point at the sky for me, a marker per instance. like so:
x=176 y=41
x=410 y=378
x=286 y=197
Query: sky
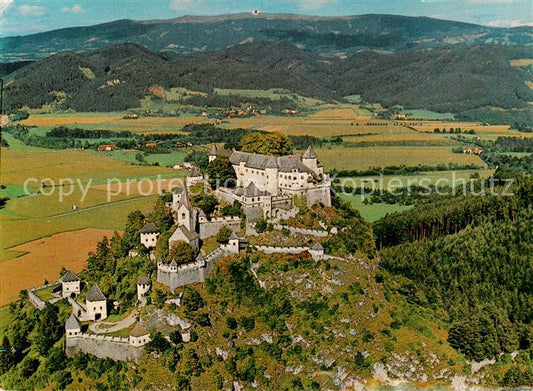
x=22 y=17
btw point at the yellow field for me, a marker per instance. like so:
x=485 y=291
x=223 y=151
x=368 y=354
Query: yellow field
x=113 y=121
x=44 y=259
x=363 y=158
x=17 y=166
x=522 y=62
x=32 y=217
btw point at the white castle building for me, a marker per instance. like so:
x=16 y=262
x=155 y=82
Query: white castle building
x=268 y=182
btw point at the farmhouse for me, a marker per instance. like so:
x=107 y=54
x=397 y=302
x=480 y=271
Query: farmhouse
x=473 y=150
x=107 y=147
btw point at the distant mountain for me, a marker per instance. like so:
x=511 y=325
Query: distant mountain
x=117 y=77
x=329 y=36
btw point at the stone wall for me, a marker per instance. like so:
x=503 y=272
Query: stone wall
x=35 y=301
x=211 y=228
x=304 y=231
x=283 y=250
x=253 y=213
x=321 y=194
x=101 y=346
x=188 y=274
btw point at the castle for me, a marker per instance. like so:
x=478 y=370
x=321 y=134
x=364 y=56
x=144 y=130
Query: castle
x=266 y=185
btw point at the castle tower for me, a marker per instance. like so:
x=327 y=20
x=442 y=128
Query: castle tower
x=185 y=212
x=310 y=160
x=96 y=304
x=72 y=327
x=213 y=153
x=271 y=173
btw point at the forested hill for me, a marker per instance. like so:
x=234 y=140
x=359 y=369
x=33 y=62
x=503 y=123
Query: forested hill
x=327 y=35
x=469 y=259
x=117 y=77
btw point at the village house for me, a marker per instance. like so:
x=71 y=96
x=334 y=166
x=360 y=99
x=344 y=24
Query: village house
x=70 y=284
x=107 y=147
x=473 y=150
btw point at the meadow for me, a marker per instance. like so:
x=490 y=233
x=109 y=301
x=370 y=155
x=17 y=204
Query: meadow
x=342 y=158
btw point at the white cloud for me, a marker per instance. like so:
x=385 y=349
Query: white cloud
x=4 y=5
x=309 y=5
x=31 y=10
x=509 y=23
x=77 y=9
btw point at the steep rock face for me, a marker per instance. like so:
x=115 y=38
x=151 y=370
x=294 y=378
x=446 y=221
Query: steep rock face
x=327 y=35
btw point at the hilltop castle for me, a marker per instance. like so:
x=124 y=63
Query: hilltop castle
x=268 y=183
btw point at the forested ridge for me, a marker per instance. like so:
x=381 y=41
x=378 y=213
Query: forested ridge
x=118 y=77
x=468 y=259
x=482 y=277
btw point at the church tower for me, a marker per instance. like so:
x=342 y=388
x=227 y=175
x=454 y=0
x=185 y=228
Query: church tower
x=185 y=212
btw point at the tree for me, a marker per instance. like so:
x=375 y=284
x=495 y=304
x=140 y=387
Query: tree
x=48 y=329
x=7 y=360
x=267 y=144
x=191 y=363
x=191 y=299
x=231 y=323
x=221 y=173
x=176 y=337
x=162 y=216
x=181 y=252
x=223 y=235
x=261 y=225
x=157 y=344
x=134 y=224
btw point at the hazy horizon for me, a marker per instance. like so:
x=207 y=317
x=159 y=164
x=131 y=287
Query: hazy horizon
x=20 y=17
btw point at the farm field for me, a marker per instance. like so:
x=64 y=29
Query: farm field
x=44 y=259
x=372 y=212
x=396 y=181
x=113 y=121
x=485 y=132
x=342 y=158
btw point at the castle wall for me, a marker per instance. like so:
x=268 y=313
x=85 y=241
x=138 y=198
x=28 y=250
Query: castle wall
x=253 y=213
x=115 y=348
x=284 y=250
x=211 y=228
x=189 y=273
x=320 y=194
x=303 y=231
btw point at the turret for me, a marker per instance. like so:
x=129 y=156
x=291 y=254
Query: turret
x=213 y=153
x=310 y=160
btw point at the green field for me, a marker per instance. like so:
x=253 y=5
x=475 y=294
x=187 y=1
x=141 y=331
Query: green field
x=442 y=178
x=375 y=211
x=428 y=115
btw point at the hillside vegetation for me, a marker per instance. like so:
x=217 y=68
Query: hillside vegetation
x=471 y=80
x=327 y=35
